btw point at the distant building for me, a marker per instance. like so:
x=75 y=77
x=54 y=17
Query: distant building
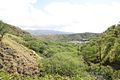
x=80 y=41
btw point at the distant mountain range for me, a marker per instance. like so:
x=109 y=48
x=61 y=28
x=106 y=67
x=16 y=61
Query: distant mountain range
x=46 y=32
x=68 y=37
x=61 y=36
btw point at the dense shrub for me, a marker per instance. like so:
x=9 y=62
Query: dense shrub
x=66 y=64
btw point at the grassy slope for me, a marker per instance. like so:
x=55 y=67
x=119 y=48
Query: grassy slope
x=13 y=29
x=19 y=48
x=24 y=61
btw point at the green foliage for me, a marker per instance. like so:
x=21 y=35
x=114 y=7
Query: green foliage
x=89 y=50
x=105 y=72
x=3 y=30
x=106 y=46
x=54 y=77
x=61 y=60
x=86 y=76
x=104 y=52
x=49 y=48
x=66 y=64
x=116 y=75
x=4 y=75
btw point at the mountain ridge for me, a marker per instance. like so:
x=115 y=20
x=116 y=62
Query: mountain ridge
x=47 y=32
x=69 y=37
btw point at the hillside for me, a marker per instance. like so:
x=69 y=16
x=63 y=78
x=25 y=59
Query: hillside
x=4 y=27
x=53 y=57
x=107 y=45
x=69 y=37
x=19 y=59
x=15 y=58
x=104 y=52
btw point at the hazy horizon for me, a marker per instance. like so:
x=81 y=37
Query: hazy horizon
x=57 y=31
x=76 y=16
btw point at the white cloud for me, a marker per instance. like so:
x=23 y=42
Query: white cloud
x=16 y=12
x=60 y=15
x=86 y=17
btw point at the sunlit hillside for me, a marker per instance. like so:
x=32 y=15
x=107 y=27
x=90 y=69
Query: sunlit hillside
x=27 y=57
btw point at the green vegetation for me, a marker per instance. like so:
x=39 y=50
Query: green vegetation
x=64 y=64
x=4 y=27
x=103 y=52
x=25 y=57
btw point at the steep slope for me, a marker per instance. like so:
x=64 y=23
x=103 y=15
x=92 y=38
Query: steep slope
x=12 y=29
x=102 y=54
x=105 y=49
x=17 y=59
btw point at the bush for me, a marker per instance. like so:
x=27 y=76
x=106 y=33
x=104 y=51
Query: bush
x=4 y=75
x=66 y=64
x=104 y=71
x=116 y=75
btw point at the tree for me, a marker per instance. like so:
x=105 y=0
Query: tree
x=2 y=30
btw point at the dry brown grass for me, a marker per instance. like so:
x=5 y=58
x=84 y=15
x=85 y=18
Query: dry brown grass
x=17 y=58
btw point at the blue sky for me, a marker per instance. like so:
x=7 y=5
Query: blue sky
x=41 y=3
x=62 y=15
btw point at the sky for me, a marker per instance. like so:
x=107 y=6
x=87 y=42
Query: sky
x=62 y=15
